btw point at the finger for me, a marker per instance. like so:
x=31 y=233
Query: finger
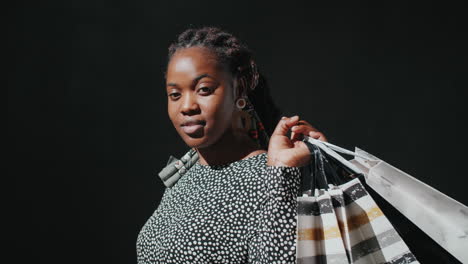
x=302 y=146
x=323 y=138
x=293 y=120
x=318 y=135
x=298 y=131
x=284 y=125
x=303 y=122
x=296 y=136
x=303 y=129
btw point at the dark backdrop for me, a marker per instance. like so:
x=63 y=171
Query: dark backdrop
x=87 y=122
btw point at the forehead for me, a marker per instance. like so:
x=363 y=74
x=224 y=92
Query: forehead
x=193 y=61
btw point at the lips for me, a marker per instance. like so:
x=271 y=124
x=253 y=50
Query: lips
x=193 y=126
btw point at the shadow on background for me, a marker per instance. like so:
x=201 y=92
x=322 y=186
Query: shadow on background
x=87 y=121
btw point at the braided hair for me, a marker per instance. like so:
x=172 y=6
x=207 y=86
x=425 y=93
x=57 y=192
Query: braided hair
x=238 y=58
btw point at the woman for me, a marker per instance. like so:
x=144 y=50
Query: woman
x=237 y=204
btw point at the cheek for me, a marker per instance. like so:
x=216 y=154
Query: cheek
x=219 y=112
x=172 y=113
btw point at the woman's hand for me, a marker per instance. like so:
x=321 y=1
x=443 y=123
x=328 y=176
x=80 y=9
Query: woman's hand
x=304 y=128
x=291 y=152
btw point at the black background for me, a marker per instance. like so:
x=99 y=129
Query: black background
x=87 y=122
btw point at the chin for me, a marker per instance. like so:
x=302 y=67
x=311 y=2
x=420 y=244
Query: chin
x=199 y=142
x=197 y=145
x=202 y=140
x=196 y=142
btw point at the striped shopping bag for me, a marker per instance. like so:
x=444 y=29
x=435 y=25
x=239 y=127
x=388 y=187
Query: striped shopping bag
x=345 y=225
x=339 y=222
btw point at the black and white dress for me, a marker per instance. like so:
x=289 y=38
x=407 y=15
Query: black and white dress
x=241 y=212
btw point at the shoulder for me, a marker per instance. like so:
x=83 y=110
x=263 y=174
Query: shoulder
x=254 y=166
x=257 y=166
x=256 y=171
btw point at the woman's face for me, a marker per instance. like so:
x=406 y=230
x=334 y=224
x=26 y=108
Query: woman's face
x=200 y=96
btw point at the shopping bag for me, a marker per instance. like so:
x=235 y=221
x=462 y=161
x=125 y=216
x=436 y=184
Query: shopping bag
x=442 y=218
x=339 y=222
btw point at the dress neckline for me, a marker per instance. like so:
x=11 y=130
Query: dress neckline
x=241 y=162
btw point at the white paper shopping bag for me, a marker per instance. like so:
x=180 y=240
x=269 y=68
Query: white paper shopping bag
x=442 y=218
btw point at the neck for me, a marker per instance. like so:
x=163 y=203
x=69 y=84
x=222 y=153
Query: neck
x=229 y=148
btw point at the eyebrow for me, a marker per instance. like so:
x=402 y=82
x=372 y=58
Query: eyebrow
x=198 y=78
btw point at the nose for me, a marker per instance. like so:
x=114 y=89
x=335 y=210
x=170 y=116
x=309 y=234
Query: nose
x=190 y=105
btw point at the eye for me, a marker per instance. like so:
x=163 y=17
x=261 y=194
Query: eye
x=205 y=90
x=174 y=95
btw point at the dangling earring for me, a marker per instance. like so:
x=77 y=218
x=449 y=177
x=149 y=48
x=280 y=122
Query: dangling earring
x=248 y=80
x=245 y=118
x=241 y=103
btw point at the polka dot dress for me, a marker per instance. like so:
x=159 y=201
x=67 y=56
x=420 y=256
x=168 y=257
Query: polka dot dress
x=241 y=212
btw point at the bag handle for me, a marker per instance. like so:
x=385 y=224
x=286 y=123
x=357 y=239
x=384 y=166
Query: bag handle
x=324 y=169
x=327 y=148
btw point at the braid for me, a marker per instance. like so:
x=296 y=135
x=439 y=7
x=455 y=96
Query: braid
x=238 y=57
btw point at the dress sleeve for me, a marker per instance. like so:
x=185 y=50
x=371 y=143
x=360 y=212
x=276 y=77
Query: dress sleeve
x=274 y=240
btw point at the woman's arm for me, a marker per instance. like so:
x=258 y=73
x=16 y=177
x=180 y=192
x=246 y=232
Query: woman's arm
x=275 y=238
